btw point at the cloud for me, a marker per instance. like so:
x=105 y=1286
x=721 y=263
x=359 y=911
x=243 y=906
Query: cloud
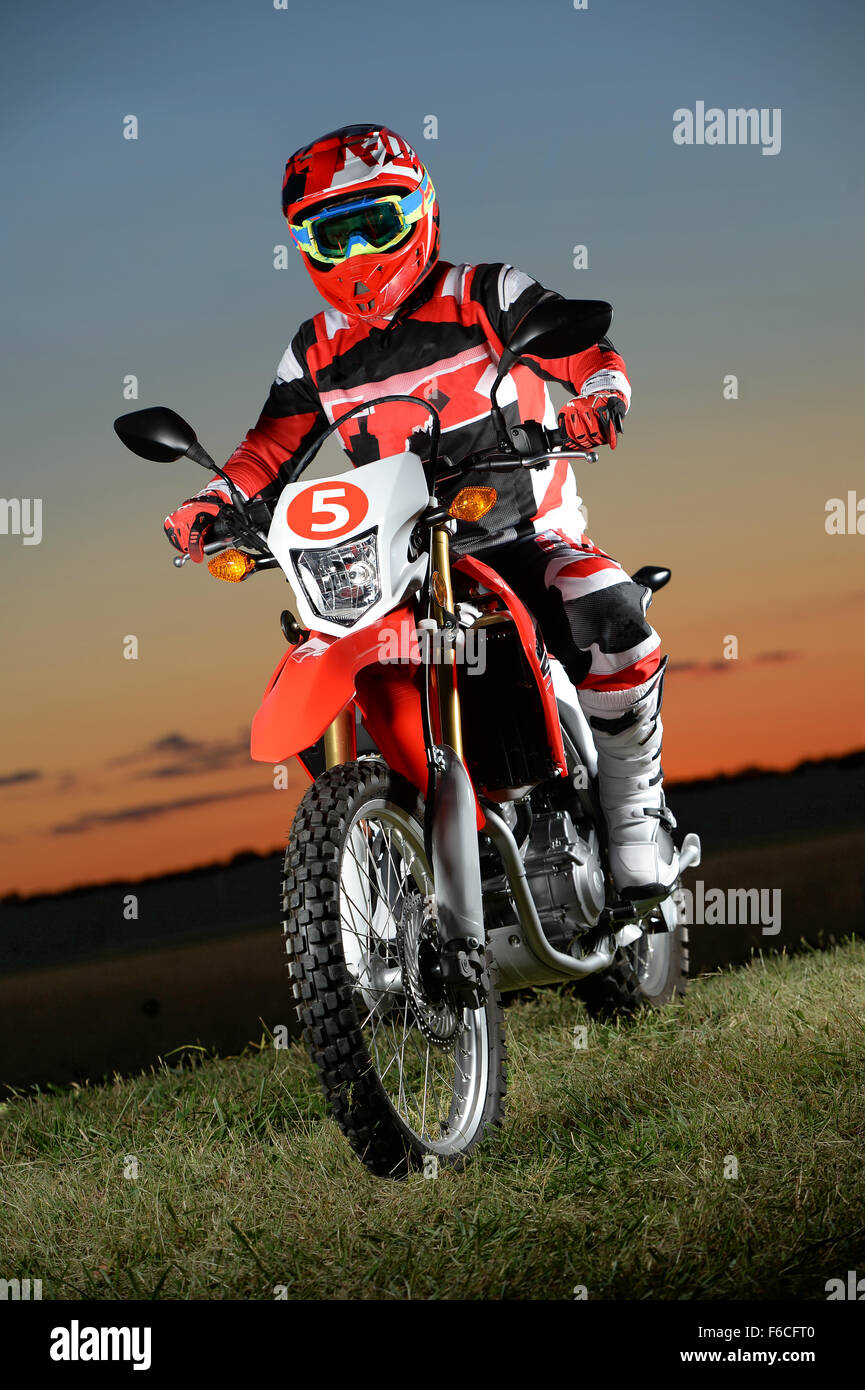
x=722 y=667
x=175 y=743
x=17 y=779
x=699 y=668
x=176 y=755
x=777 y=656
x=149 y=811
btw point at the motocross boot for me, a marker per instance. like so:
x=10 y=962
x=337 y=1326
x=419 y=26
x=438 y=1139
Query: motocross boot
x=643 y=859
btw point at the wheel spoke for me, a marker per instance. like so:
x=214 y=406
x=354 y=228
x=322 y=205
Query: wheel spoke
x=407 y=1072
x=415 y=1043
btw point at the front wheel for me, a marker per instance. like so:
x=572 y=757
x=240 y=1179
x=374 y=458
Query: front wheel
x=408 y=1073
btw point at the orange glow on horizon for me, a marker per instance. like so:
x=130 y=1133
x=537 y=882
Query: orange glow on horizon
x=770 y=715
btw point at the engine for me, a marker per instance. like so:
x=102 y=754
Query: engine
x=565 y=878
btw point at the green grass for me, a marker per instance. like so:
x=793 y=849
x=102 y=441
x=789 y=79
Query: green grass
x=609 y=1172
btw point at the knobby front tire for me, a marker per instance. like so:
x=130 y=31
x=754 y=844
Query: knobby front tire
x=407 y=1073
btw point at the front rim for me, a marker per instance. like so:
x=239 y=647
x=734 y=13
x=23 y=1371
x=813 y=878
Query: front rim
x=431 y=1059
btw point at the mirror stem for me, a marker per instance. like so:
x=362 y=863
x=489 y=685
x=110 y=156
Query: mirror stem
x=496 y=410
x=198 y=454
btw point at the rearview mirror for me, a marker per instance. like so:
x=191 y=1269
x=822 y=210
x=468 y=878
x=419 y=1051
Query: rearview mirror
x=558 y=328
x=156 y=433
x=553 y=328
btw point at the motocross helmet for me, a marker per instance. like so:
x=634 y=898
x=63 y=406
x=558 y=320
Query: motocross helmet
x=362 y=211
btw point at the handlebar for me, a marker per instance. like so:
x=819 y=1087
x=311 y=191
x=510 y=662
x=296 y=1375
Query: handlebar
x=223 y=527
x=530 y=446
x=209 y=548
x=230 y=527
x=556 y=436
x=226 y=530
x=535 y=446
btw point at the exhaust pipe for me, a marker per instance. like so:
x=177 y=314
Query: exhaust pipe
x=534 y=960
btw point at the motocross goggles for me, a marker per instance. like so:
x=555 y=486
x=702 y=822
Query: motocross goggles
x=362 y=227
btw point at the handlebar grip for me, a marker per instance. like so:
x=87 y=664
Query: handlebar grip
x=556 y=438
x=224 y=524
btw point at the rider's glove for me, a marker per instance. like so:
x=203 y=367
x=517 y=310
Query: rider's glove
x=592 y=420
x=187 y=527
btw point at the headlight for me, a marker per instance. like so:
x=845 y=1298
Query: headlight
x=342 y=583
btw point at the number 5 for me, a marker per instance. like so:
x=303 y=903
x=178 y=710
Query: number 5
x=322 y=505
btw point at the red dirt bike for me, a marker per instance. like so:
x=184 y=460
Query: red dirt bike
x=451 y=846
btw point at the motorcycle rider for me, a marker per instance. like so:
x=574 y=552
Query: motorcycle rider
x=362 y=211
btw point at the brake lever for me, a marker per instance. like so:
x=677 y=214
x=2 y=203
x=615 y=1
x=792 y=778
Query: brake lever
x=242 y=529
x=541 y=460
x=213 y=549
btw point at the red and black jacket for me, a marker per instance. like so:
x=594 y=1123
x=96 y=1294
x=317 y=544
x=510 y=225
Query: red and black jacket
x=443 y=344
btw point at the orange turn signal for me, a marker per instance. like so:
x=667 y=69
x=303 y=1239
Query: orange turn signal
x=231 y=565
x=471 y=503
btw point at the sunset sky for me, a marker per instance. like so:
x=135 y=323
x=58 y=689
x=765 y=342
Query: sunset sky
x=154 y=257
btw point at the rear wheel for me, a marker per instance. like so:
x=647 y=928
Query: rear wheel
x=408 y=1072
x=651 y=972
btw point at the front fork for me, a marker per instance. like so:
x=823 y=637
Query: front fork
x=452 y=806
x=340 y=739
x=445 y=670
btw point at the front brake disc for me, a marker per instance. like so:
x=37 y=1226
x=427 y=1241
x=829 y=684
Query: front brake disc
x=419 y=956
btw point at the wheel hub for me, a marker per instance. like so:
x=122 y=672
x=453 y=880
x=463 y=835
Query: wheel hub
x=420 y=959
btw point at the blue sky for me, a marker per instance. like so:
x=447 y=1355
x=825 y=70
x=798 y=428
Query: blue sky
x=155 y=257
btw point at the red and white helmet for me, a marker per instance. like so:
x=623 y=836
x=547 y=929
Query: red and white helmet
x=362 y=210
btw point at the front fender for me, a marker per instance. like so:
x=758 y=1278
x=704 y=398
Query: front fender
x=314 y=682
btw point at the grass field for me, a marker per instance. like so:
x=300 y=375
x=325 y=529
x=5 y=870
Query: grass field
x=609 y=1172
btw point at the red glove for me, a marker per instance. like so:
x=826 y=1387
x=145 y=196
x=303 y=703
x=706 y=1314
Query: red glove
x=187 y=527
x=592 y=420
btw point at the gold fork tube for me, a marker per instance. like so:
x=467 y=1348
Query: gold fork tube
x=445 y=676
x=340 y=739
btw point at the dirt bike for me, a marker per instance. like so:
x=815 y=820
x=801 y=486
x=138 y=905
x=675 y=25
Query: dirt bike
x=451 y=845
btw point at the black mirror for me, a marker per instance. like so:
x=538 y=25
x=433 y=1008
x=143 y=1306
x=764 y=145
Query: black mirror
x=558 y=328
x=653 y=576
x=156 y=433
x=553 y=328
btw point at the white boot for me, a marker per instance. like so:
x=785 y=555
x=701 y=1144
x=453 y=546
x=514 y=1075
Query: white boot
x=643 y=859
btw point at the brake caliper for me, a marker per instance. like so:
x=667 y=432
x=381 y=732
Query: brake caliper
x=464 y=972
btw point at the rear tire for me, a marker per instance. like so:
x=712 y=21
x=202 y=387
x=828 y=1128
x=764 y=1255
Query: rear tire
x=407 y=1073
x=648 y=974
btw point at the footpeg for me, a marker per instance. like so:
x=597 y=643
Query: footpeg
x=664 y=919
x=647 y=896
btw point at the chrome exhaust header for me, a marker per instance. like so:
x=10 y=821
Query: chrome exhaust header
x=524 y=955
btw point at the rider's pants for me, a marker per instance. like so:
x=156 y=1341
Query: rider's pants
x=591 y=614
